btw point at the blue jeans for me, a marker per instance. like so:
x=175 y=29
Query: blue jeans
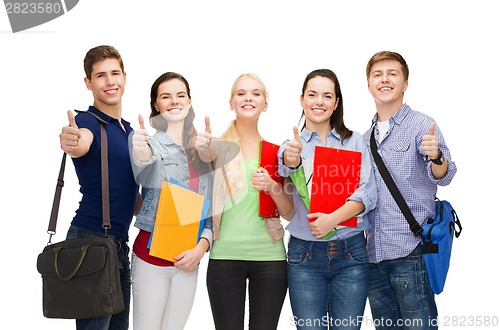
x=400 y=295
x=328 y=282
x=227 y=286
x=118 y=321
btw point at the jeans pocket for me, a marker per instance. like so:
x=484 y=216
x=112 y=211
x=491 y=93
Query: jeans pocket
x=296 y=255
x=358 y=254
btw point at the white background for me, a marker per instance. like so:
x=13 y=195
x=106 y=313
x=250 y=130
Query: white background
x=451 y=48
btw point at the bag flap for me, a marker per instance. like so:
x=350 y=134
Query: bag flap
x=63 y=261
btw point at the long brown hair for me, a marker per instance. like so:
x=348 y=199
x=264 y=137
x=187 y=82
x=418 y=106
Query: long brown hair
x=337 y=117
x=158 y=122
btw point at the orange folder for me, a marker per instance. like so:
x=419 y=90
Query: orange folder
x=268 y=159
x=336 y=174
x=177 y=226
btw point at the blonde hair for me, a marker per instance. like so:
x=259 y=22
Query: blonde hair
x=387 y=55
x=234 y=182
x=233 y=168
x=251 y=76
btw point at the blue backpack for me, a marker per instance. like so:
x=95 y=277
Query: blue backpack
x=437 y=240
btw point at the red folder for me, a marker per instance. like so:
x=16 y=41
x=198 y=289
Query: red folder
x=335 y=177
x=268 y=159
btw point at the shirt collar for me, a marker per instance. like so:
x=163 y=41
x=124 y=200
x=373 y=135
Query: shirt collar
x=101 y=114
x=398 y=117
x=107 y=119
x=307 y=135
x=164 y=138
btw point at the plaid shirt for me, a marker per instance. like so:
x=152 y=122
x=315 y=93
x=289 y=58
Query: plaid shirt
x=390 y=236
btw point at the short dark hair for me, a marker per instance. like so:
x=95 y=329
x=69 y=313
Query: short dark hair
x=100 y=53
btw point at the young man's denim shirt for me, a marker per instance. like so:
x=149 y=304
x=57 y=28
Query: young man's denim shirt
x=168 y=161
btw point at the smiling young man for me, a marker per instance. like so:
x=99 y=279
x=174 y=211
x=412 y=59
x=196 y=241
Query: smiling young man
x=106 y=78
x=414 y=151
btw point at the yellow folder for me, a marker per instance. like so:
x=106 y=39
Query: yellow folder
x=177 y=221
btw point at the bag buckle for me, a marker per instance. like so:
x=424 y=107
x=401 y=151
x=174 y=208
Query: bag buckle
x=106 y=230
x=51 y=233
x=416 y=229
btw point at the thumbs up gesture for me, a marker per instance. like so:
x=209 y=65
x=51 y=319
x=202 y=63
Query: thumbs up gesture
x=140 y=146
x=70 y=135
x=430 y=143
x=293 y=150
x=202 y=142
x=204 y=138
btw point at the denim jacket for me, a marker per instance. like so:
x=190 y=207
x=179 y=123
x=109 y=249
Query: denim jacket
x=168 y=161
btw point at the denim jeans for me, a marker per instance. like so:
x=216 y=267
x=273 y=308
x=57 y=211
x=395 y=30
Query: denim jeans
x=400 y=295
x=328 y=282
x=227 y=286
x=118 y=321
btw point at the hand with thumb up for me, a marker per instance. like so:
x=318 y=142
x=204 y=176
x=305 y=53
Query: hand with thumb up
x=430 y=143
x=203 y=140
x=70 y=135
x=293 y=150
x=140 y=146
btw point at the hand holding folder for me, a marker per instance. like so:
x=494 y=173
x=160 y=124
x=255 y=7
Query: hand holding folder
x=179 y=220
x=336 y=175
x=268 y=159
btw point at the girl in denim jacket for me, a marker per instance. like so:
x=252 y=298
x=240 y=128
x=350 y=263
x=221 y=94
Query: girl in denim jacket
x=164 y=291
x=246 y=246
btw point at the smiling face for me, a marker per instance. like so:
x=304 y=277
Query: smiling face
x=387 y=84
x=248 y=99
x=107 y=83
x=319 y=102
x=173 y=101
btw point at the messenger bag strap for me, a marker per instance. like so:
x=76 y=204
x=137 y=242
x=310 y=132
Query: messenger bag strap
x=389 y=181
x=106 y=219
x=57 y=199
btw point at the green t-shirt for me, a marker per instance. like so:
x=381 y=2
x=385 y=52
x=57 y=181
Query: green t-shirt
x=243 y=234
